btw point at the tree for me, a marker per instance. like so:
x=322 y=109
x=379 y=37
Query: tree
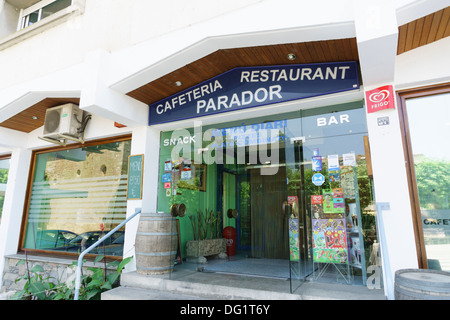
x=433 y=183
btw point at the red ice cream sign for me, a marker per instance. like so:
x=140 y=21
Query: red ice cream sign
x=380 y=99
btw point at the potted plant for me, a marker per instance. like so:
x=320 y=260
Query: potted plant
x=207 y=230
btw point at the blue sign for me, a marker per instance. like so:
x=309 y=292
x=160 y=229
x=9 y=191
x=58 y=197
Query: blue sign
x=318 y=179
x=317 y=163
x=167 y=177
x=249 y=87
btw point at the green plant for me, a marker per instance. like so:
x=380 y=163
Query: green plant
x=40 y=287
x=205 y=225
x=94 y=284
x=36 y=287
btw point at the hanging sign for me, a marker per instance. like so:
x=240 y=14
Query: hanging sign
x=380 y=99
x=248 y=87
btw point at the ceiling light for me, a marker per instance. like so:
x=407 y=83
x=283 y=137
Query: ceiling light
x=34 y=118
x=178 y=83
x=291 y=56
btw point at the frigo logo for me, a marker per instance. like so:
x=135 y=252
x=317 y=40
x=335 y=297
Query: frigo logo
x=378 y=97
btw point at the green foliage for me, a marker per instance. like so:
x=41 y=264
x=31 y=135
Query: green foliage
x=205 y=224
x=39 y=287
x=4 y=175
x=36 y=287
x=433 y=183
x=94 y=284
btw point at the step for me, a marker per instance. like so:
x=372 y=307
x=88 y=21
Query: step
x=215 y=289
x=133 y=293
x=214 y=286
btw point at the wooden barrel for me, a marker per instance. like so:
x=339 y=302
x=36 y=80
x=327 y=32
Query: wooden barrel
x=156 y=243
x=422 y=284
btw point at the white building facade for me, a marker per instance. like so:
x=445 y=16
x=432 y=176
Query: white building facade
x=116 y=60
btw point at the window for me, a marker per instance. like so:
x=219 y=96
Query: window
x=77 y=195
x=4 y=170
x=25 y=20
x=42 y=10
x=426 y=125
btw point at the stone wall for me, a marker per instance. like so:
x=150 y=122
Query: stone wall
x=56 y=268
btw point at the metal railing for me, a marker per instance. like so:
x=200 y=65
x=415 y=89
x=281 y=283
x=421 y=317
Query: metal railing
x=80 y=258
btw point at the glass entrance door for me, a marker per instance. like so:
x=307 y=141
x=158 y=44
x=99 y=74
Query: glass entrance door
x=330 y=209
x=252 y=205
x=290 y=193
x=300 y=259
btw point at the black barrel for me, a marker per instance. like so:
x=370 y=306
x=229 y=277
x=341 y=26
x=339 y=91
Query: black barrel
x=422 y=284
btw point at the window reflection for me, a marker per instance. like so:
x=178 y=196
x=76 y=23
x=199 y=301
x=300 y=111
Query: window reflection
x=77 y=196
x=4 y=170
x=55 y=7
x=429 y=125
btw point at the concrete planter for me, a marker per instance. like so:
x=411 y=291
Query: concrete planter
x=205 y=248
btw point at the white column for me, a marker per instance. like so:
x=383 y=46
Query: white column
x=377 y=34
x=13 y=206
x=97 y=98
x=146 y=141
x=12 y=138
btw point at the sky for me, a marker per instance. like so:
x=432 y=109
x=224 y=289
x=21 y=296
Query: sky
x=429 y=124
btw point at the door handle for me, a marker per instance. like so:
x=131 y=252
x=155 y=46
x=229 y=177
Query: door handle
x=178 y=210
x=287 y=208
x=232 y=213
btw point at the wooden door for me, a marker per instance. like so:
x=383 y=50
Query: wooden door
x=269 y=233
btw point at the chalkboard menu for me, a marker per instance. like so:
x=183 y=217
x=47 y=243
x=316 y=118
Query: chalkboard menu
x=135 y=173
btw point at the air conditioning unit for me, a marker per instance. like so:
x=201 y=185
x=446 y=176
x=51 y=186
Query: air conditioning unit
x=64 y=120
